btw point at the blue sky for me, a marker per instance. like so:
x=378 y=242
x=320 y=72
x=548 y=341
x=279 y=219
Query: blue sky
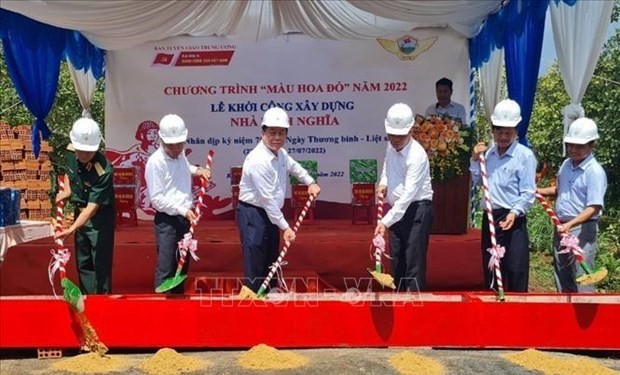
x=548 y=51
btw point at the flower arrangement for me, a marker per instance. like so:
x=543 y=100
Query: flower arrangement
x=446 y=142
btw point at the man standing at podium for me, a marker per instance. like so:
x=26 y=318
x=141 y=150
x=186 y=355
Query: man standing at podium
x=406 y=179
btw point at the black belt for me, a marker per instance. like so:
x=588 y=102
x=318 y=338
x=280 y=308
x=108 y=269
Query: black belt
x=425 y=202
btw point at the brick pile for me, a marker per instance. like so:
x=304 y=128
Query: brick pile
x=19 y=169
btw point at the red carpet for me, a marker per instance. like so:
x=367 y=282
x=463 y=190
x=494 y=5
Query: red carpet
x=335 y=250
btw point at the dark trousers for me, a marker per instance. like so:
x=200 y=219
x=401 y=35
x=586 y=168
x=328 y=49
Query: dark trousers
x=169 y=230
x=94 y=249
x=515 y=265
x=260 y=241
x=409 y=244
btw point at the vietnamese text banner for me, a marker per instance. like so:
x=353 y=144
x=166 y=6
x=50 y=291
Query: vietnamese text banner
x=336 y=93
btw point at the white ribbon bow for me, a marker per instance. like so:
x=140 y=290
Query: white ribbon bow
x=60 y=257
x=497 y=252
x=189 y=244
x=276 y=268
x=570 y=243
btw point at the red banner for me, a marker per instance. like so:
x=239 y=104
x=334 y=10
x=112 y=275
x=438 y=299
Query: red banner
x=125 y=176
x=204 y=58
x=125 y=198
x=363 y=194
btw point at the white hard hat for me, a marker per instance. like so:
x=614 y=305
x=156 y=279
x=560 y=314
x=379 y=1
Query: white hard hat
x=172 y=129
x=507 y=113
x=399 y=119
x=85 y=135
x=276 y=117
x=581 y=131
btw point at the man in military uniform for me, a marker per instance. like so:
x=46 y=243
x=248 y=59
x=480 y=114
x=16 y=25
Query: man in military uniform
x=88 y=183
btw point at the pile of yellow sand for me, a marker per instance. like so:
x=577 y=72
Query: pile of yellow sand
x=532 y=359
x=408 y=363
x=168 y=362
x=263 y=357
x=91 y=363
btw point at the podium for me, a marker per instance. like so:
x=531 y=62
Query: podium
x=451 y=201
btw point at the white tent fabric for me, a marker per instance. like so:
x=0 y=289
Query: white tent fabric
x=85 y=85
x=119 y=24
x=491 y=82
x=579 y=33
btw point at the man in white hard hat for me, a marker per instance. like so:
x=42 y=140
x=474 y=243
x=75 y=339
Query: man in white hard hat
x=580 y=189
x=406 y=183
x=88 y=183
x=261 y=197
x=511 y=169
x=169 y=185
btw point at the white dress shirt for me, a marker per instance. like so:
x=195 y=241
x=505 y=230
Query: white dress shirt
x=169 y=182
x=264 y=178
x=407 y=175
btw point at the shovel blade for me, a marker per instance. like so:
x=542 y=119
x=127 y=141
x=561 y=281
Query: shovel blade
x=170 y=283
x=592 y=278
x=383 y=278
x=72 y=295
x=247 y=293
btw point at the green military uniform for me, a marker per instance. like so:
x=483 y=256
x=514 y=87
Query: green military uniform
x=94 y=242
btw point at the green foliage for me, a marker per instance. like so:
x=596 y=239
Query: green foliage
x=65 y=111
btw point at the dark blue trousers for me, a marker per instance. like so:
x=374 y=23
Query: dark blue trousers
x=260 y=242
x=169 y=230
x=515 y=265
x=409 y=244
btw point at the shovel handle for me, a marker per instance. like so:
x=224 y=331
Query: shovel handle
x=278 y=262
x=578 y=253
x=199 y=206
x=489 y=211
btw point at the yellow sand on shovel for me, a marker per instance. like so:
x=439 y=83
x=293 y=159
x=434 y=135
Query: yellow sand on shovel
x=592 y=278
x=383 y=278
x=246 y=293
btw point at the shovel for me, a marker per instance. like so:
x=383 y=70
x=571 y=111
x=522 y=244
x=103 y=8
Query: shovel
x=384 y=279
x=497 y=251
x=590 y=276
x=247 y=293
x=188 y=244
x=71 y=292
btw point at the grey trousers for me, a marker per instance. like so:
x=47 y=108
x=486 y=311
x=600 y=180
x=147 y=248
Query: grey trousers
x=565 y=269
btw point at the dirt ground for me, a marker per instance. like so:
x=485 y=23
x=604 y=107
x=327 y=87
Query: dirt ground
x=326 y=361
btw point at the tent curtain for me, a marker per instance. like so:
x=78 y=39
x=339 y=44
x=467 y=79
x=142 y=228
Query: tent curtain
x=491 y=82
x=579 y=33
x=32 y=53
x=522 y=57
x=119 y=24
x=85 y=85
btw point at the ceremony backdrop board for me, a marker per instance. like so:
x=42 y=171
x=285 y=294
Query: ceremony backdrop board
x=336 y=92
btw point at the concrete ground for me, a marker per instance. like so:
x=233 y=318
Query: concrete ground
x=326 y=361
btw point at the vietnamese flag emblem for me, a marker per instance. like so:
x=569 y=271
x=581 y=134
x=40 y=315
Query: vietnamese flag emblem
x=163 y=59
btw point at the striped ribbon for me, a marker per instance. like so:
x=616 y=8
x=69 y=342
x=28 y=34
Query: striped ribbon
x=496 y=251
x=60 y=255
x=472 y=125
x=188 y=244
x=379 y=250
x=569 y=241
x=277 y=265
